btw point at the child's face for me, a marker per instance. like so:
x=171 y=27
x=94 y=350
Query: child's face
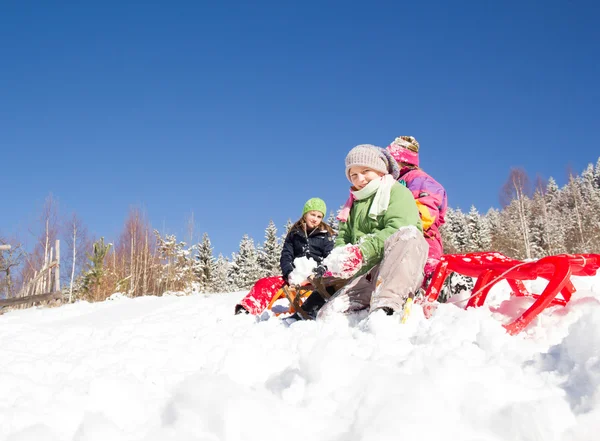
x=313 y=219
x=360 y=176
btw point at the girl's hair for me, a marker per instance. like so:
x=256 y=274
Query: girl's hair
x=407 y=165
x=301 y=225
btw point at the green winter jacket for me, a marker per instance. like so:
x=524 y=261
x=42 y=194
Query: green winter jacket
x=371 y=234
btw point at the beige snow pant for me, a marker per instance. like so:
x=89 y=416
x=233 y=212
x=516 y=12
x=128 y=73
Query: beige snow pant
x=389 y=284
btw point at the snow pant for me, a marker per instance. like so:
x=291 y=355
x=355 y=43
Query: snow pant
x=434 y=240
x=260 y=295
x=389 y=284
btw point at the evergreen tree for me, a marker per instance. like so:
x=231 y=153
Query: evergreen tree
x=247 y=270
x=233 y=273
x=94 y=273
x=480 y=238
x=288 y=226
x=177 y=265
x=204 y=264
x=576 y=237
x=270 y=252
x=554 y=224
x=219 y=280
x=538 y=234
x=333 y=222
x=456 y=232
x=597 y=174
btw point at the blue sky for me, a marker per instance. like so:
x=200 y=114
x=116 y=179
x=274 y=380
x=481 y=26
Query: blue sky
x=241 y=112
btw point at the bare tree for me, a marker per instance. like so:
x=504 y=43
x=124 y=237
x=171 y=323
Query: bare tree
x=45 y=237
x=11 y=257
x=135 y=261
x=517 y=188
x=78 y=242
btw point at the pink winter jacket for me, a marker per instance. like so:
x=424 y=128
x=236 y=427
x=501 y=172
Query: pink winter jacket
x=432 y=202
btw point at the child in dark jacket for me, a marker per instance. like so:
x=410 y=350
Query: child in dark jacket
x=309 y=237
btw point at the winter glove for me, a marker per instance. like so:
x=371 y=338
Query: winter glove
x=344 y=262
x=320 y=270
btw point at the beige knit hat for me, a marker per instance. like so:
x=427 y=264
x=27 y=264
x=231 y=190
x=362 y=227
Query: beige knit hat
x=373 y=157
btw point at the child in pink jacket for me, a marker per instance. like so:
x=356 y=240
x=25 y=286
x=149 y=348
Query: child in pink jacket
x=429 y=194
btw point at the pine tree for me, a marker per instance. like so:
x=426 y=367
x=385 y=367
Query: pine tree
x=219 y=280
x=333 y=222
x=94 y=273
x=177 y=265
x=205 y=262
x=458 y=231
x=288 y=226
x=479 y=238
x=576 y=238
x=554 y=225
x=538 y=219
x=247 y=270
x=597 y=174
x=233 y=271
x=270 y=252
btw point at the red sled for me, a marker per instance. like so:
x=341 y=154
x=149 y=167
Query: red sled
x=267 y=291
x=489 y=268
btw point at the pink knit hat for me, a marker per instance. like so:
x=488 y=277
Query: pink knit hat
x=405 y=149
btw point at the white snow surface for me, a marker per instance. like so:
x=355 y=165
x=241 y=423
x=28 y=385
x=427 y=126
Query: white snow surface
x=187 y=368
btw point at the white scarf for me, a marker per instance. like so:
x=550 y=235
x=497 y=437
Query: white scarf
x=381 y=201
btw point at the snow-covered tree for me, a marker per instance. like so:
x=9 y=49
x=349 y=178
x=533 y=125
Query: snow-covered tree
x=204 y=264
x=219 y=279
x=269 y=254
x=333 y=222
x=515 y=195
x=597 y=174
x=288 y=226
x=245 y=268
x=455 y=232
x=480 y=238
x=176 y=263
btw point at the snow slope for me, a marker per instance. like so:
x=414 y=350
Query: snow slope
x=186 y=368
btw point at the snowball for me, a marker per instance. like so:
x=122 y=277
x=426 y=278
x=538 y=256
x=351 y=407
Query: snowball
x=303 y=267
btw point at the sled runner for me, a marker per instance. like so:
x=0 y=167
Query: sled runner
x=296 y=294
x=489 y=268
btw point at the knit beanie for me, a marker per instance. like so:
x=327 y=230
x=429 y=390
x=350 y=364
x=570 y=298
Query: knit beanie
x=374 y=157
x=405 y=149
x=315 y=204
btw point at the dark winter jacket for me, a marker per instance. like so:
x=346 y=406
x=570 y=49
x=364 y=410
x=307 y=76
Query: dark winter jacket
x=317 y=245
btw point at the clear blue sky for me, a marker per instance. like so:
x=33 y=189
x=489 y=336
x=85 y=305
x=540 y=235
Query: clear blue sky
x=239 y=112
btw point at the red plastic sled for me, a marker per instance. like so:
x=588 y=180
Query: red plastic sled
x=489 y=268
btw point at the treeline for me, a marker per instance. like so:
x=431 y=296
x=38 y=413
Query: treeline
x=533 y=222
x=142 y=261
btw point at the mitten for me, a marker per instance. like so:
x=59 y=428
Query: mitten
x=346 y=261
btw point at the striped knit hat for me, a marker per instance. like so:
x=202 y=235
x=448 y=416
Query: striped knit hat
x=405 y=149
x=374 y=157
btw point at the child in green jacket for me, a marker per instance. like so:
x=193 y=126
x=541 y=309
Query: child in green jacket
x=380 y=245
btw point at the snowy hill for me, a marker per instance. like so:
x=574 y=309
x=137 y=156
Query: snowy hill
x=186 y=368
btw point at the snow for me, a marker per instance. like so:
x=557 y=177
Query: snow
x=303 y=267
x=186 y=368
